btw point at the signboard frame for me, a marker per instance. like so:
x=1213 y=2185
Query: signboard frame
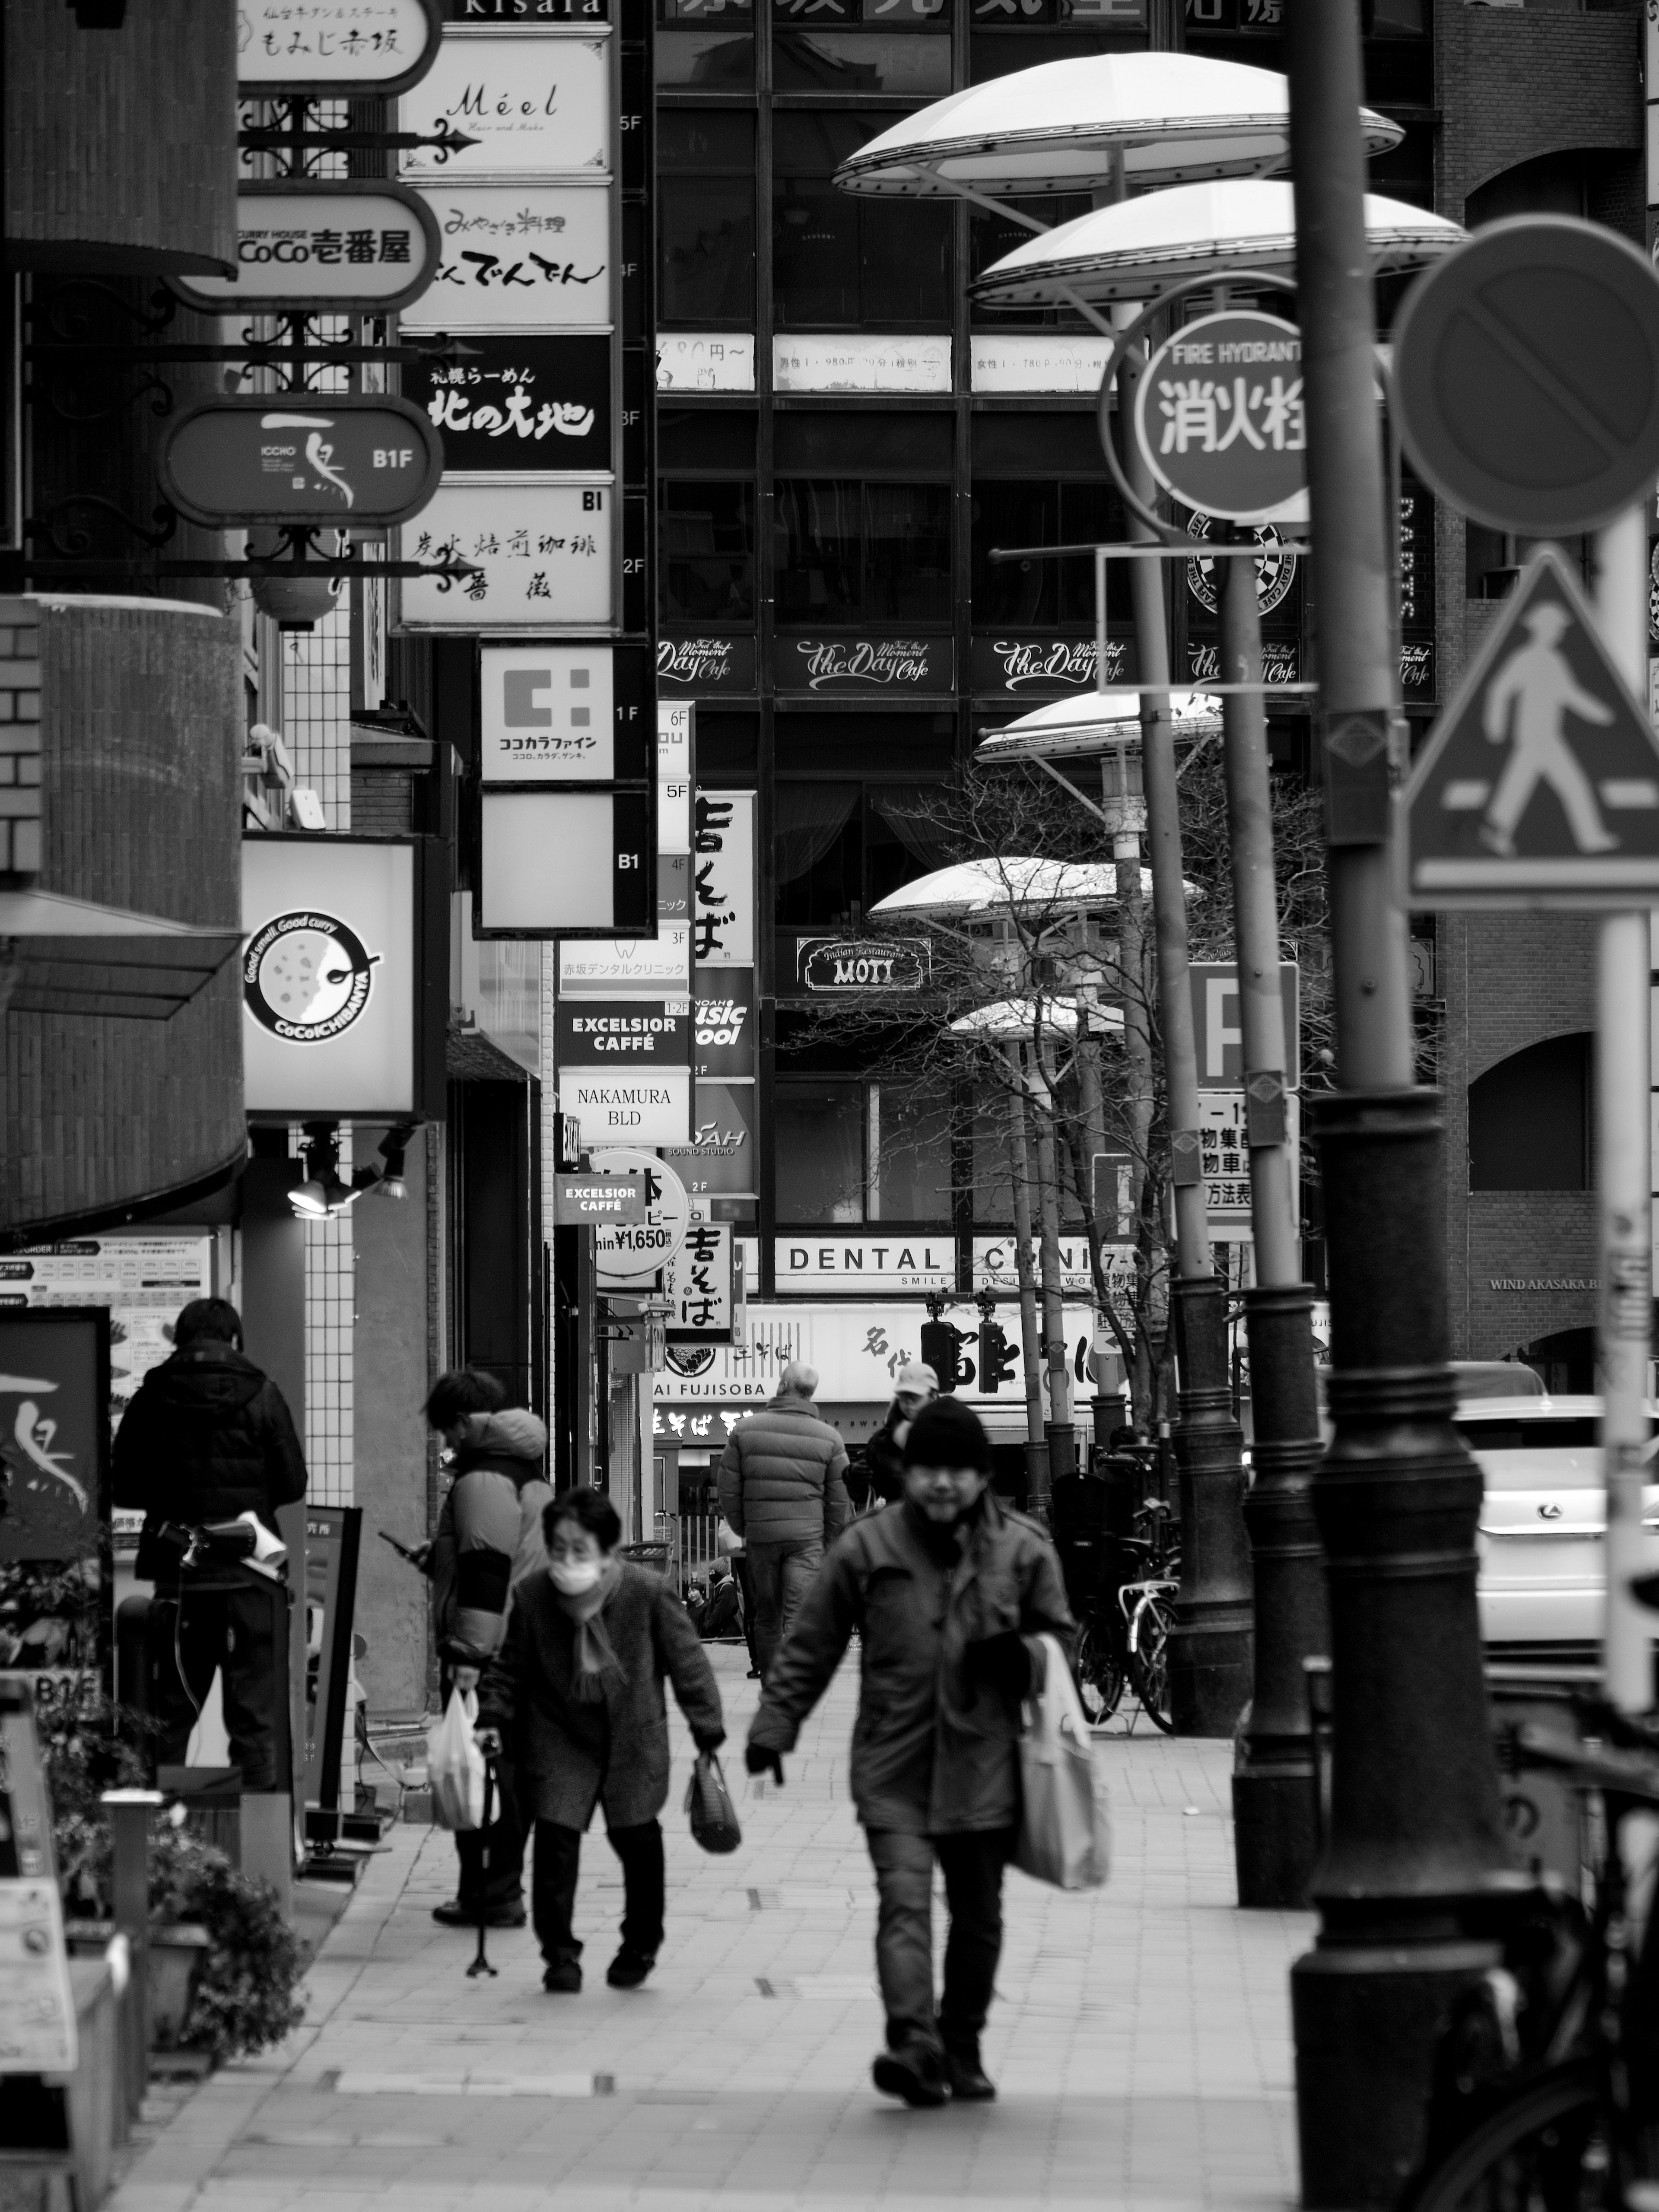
x=364 y=88
x=343 y=191
x=1202 y=335
x=316 y=516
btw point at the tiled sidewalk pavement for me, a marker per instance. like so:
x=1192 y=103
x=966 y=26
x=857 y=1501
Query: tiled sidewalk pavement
x=1140 y=2038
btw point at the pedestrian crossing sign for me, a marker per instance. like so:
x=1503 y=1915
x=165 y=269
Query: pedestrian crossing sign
x=1540 y=784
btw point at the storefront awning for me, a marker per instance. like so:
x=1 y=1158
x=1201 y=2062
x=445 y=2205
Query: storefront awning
x=68 y=955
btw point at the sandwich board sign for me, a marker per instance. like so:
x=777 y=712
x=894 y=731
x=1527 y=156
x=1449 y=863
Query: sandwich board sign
x=1540 y=785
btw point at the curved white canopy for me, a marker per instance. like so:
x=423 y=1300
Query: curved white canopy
x=1061 y=127
x=970 y=890
x=1018 y=1018
x=1126 y=252
x=1094 y=723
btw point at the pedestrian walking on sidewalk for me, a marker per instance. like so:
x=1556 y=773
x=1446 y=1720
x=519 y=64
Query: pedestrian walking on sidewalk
x=783 y=1490
x=489 y=1538
x=949 y=1591
x=916 y=1386
x=575 y=1700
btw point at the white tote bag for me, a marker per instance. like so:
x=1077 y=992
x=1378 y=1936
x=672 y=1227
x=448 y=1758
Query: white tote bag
x=455 y=1765
x=1065 y=1832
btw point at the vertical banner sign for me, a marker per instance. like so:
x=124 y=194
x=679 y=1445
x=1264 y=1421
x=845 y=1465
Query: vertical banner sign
x=719 y=1164
x=723 y=880
x=529 y=222
x=698 y=1281
x=333 y=1536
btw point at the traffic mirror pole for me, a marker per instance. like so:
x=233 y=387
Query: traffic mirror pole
x=1415 y=1858
x=1623 y=1080
x=1274 y=1824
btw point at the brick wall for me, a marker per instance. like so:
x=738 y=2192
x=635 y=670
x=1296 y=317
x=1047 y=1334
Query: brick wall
x=1526 y=1237
x=1515 y=83
x=20 y=740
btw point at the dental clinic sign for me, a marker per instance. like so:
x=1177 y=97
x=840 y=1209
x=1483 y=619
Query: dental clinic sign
x=300 y=458
x=340 y=936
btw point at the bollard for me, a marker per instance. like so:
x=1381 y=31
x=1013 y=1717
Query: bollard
x=130 y=1816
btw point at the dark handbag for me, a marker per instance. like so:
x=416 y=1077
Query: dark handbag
x=708 y=1801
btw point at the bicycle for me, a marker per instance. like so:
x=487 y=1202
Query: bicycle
x=1547 y=2090
x=1120 y=1645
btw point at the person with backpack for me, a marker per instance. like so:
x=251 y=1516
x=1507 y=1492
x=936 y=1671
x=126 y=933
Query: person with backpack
x=489 y=1538
x=207 y=1439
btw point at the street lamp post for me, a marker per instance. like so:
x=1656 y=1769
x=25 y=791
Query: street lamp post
x=1415 y=1860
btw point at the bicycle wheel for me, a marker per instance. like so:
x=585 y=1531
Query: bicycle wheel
x=1099 y=1672
x=1149 y=1661
x=1544 y=2150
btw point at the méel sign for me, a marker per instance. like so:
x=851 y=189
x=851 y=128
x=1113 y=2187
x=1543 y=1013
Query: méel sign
x=357 y=246
x=339 y=46
x=1540 y=786
x=1219 y=421
x=539 y=105
x=344 y=974
x=294 y=458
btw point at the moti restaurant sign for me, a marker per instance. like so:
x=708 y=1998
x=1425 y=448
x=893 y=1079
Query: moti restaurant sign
x=828 y=965
x=832 y=665
x=294 y=458
x=376 y=46
x=355 y=246
x=1218 y=417
x=702 y=664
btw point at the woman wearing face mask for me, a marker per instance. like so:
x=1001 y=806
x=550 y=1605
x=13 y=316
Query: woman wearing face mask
x=575 y=1696
x=917 y=1386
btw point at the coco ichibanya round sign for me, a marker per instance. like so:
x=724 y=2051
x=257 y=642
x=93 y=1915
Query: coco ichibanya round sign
x=307 y=976
x=1219 y=421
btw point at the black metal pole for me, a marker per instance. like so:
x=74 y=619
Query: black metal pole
x=1415 y=1866
x=1275 y=1826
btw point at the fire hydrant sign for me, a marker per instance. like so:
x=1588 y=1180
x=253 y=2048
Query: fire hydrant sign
x=37 y=2013
x=1219 y=420
x=1540 y=786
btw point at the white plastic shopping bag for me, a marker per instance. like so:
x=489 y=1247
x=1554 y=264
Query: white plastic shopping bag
x=455 y=1765
x=1065 y=1832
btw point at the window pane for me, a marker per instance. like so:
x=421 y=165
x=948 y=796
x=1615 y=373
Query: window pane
x=1038 y=593
x=905 y=834
x=716 y=59
x=818 y=551
x=854 y=61
x=908 y=560
x=913 y=1168
x=707 y=234
x=709 y=139
x=708 y=552
x=819 y=852
x=993 y=1190
x=838 y=259
x=862 y=553
x=819 y=1145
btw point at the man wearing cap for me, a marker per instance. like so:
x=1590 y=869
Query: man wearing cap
x=949 y=1591
x=783 y=1491
x=916 y=1385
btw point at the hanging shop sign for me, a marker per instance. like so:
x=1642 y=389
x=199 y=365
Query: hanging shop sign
x=539 y=105
x=618 y=1033
x=348 y=461
x=648 y=965
x=723 y=1024
x=1219 y=421
x=702 y=665
x=642 y=1105
x=830 y=967
x=54 y=1534
x=524 y=402
x=556 y=861
x=631 y=1253
x=861 y=364
x=335 y=48
x=1014 y=667
x=1275 y=572
x=358 y=246
x=583 y=1201
x=698 y=1280
x=723 y=879
x=37 y=2006
x=835 y=667
x=543 y=553
x=344 y=974
x=518 y=256
x=563 y=713
x=717 y=362
x=719 y=1161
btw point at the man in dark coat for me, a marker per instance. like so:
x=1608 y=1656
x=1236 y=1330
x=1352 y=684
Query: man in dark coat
x=950 y=1592
x=206 y=1438
x=574 y=1699
x=783 y=1490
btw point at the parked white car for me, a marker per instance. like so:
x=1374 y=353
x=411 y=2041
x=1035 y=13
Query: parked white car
x=1543 y=1523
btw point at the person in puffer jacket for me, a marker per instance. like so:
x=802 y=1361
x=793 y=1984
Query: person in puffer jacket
x=783 y=1490
x=208 y=1438
x=489 y=1538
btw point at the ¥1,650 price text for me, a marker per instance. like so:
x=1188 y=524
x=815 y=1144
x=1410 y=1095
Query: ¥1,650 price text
x=646 y=1238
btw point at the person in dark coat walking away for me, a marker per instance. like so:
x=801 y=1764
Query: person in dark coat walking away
x=783 y=1490
x=208 y=1438
x=575 y=1698
x=949 y=1592
x=489 y=1538
x=916 y=1385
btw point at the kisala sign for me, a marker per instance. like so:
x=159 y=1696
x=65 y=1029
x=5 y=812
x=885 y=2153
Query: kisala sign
x=830 y=965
